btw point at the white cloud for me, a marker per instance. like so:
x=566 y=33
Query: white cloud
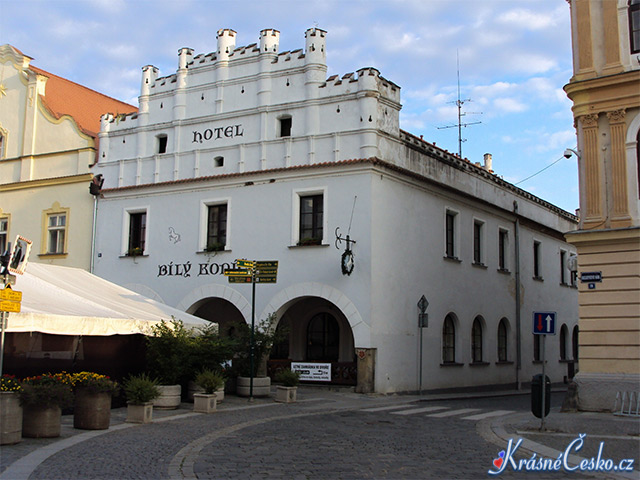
x=509 y=105
x=529 y=20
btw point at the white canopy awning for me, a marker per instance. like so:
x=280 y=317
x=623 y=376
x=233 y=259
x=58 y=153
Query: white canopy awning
x=72 y=301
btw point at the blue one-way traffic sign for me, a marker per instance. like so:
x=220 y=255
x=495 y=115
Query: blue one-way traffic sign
x=544 y=323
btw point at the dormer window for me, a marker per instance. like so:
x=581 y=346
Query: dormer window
x=162 y=143
x=285 y=126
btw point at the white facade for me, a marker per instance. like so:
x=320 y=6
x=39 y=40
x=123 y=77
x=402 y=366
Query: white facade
x=256 y=130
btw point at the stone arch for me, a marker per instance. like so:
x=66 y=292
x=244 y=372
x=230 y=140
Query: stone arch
x=193 y=299
x=281 y=301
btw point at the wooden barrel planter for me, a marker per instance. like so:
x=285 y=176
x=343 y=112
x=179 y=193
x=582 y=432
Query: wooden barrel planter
x=41 y=422
x=92 y=411
x=10 y=418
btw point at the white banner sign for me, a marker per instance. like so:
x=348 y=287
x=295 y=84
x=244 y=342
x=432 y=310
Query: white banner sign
x=315 y=372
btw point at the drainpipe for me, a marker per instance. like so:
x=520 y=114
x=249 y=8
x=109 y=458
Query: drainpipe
x=516 y=225
x=93 y=232
x=94 y=189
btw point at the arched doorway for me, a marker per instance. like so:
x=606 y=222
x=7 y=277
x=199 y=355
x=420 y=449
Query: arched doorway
x=222 y=312
x=317 y=332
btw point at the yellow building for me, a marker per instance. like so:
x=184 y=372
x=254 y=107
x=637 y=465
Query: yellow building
x=48 y=142
x=605 y=90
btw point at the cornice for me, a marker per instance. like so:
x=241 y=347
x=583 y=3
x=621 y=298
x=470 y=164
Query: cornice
x=47 y=182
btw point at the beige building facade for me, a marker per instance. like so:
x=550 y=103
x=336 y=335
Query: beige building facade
x=605 y=90
x=48 y=141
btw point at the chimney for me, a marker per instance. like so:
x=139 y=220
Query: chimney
x=488 y=162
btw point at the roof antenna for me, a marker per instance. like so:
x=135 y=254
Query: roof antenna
x=461 y=114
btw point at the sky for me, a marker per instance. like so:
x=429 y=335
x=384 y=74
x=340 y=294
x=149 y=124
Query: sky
x=512 y=59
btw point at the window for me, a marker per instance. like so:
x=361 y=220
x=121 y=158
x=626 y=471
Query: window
x=448 y=340
x=563 y=267
x=450 y=234
x=477 y=243
x=563 y=342
x=162 y=143
x=502 y=340
x=502 y=250
x=574 y=342
x=137 y=233
x=218 y=162
x=536 y=261
x=536 y=348
x=476 y=340
x=4 y=234
x=216 y=227
x=285 y=126
x=634 y=25
x=311 y=219
x=2 y=141
x=323 y=338
x=56 y=228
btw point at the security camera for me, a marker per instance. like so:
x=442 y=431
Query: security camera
x=568 y=153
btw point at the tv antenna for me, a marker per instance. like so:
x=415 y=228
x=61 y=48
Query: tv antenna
x=459 y=103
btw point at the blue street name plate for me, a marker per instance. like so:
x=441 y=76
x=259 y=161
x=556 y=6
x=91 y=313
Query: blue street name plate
x=590 y=277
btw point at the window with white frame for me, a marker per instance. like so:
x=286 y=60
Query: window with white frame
x=4 y=234
x=634 y=25
x=450 y=234
x=478 y=242
x=503 y=250
x=216 y=227
x=309 y=217
x=563 y=267
x=137 y=232
x=476 y=340
x=449 y=340
x=56 y=232
x=537 y=260
x=503 y=341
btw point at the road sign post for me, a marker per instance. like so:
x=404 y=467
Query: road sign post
x=544 y=323
x=251 y=271
x=423 y=319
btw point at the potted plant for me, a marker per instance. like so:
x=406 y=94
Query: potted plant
x=42 y=398
x=309 y=241
x=208 y=351
x=168 y=350
x=287 y=392
x=140 y=391
x=10 y=411
x=215 y=247
x=210 y=382
x=135 y=252
x=93 y=392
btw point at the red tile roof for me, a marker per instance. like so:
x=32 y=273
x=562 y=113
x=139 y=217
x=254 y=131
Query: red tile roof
x=86 y=106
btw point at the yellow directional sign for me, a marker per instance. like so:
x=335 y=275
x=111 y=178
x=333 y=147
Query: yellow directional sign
x=267 y=264
x=240 y=279
x=9 y=294
x=243 y=263
x=266 y=279
x=237 y=272
x=8 y=306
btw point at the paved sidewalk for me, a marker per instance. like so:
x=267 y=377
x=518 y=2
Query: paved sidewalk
x=621 y=435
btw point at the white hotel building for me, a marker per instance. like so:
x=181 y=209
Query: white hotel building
x=248 y=152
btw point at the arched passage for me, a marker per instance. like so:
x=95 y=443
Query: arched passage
x=319 y=333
